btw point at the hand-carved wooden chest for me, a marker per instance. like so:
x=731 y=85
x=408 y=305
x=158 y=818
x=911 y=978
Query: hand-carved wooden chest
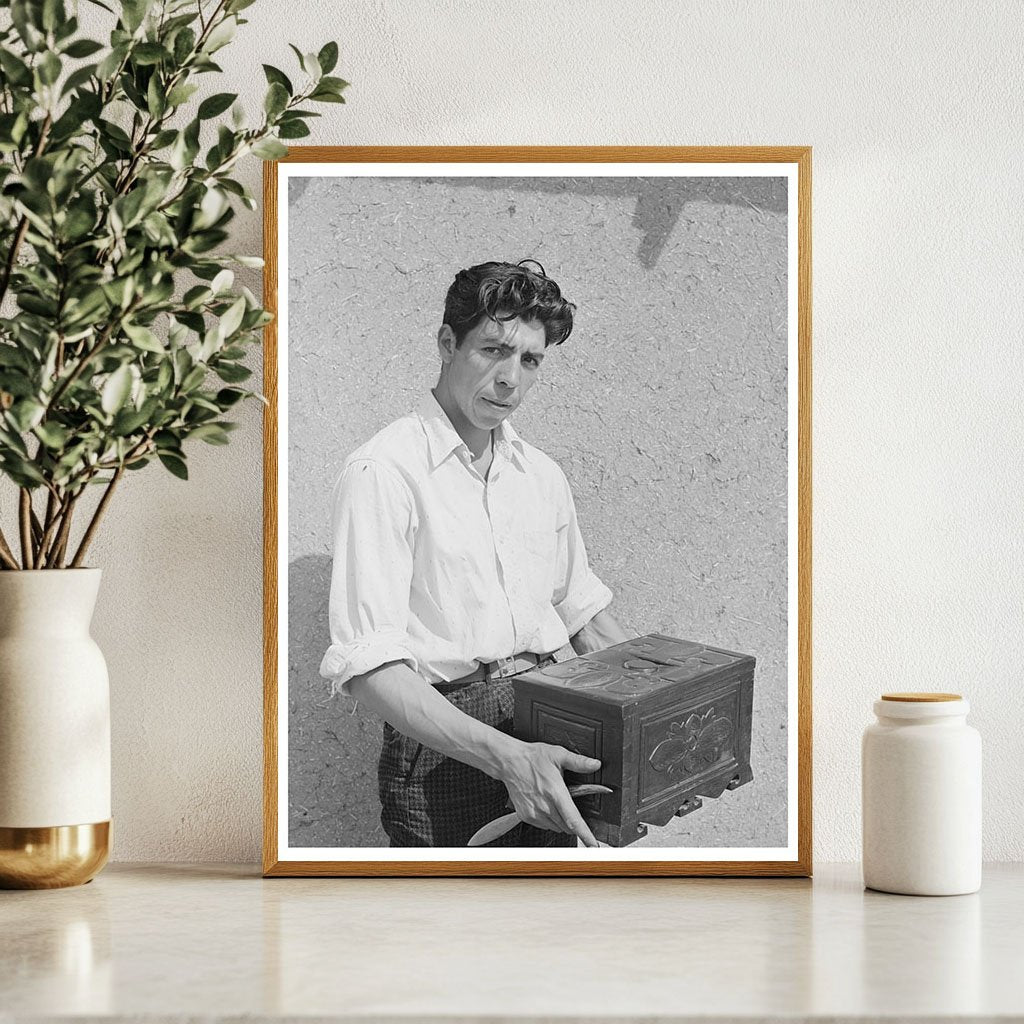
x=669 y=720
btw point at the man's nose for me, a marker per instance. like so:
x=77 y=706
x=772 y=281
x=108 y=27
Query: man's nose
x=508 y=372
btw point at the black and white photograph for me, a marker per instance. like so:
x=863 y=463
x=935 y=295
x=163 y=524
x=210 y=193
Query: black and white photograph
x=537 y=524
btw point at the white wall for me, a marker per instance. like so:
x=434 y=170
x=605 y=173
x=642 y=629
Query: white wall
x=914 y=113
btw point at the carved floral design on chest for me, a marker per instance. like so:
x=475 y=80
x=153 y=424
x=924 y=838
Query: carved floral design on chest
x=693 y=744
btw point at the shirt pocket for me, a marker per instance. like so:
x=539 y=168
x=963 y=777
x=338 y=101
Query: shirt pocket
x=540 y=564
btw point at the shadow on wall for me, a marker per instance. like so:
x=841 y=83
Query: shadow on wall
x=659 y=201
x=332 y=746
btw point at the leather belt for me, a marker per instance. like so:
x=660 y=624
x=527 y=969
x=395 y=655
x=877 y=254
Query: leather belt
x=504 y=668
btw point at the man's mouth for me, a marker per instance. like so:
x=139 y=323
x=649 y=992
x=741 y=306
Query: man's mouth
x=497 y=404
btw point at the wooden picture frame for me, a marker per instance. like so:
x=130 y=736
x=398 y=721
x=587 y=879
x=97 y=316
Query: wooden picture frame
x=684 y=183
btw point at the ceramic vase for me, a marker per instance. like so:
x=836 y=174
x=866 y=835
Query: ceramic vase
x=54 y=731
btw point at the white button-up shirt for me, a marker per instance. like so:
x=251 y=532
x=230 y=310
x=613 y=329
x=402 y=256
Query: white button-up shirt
x=436 y=566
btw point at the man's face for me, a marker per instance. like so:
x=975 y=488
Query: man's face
x=488 y=375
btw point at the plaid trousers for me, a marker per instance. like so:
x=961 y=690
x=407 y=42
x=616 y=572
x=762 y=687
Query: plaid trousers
x=428 y=799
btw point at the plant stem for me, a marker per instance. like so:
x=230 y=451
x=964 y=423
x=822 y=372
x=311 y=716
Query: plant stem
x=97 y=516
x=61 y=543
x=54 y=506
x=25 y=520
x=6 y=555
x=37 y=530
x=19 y=237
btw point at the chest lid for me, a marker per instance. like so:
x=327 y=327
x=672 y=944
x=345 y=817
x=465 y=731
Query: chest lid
x=639 y=668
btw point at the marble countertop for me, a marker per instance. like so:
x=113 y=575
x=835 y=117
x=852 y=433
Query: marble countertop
x=180 y=941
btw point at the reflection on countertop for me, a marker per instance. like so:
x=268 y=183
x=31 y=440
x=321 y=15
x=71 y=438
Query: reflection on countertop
x=179 y=940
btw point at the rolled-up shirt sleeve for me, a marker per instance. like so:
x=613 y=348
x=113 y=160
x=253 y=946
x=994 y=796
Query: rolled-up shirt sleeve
x=374 y=522
x=579 y=595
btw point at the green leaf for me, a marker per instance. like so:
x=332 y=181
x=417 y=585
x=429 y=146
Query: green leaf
x=143 y=338
x=276 y=99
x=11 y=441
x=211 y=433
x=49 y=68
x=181 y=94
x=128 y=421
x=232 y=373
x=53 y=14
x=116 y=390
x=106 y=68
x=234 y=6
x=328 y=57
x=227 y=397
x=184 y=44
x=77 y=79
x=323 y=96
x=119 y=291
x=164 y=376
x=275 y=76
x=334 y=84
x=14 y=68
x=293 y=130
x=35 y=304
x=65 y=30
x=193 y=379
x=222 y=282
x=12 y=356
x=129 y=207
x=116 y=133
x=269 y=149
x=26 y=20
x=133 y=13
x=21 y=471
x=221 y=35
x=211 y=208
x=163 y=139
x=149 y=53
x=83 y=48
x=26 y=413
x=156 y=99
x=216 y=104
x=175 y=465
x=232 y=319
x=53 y=435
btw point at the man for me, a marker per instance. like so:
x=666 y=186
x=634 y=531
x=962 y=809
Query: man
x=458 y=562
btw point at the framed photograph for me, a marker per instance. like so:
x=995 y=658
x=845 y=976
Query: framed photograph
x=558 y=633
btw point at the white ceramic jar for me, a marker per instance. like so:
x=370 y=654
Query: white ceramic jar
x=921 y=779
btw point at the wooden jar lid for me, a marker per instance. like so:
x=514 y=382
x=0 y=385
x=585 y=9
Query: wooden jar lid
x=921 y=698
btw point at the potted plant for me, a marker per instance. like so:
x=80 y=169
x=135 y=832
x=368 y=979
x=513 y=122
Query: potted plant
x=122 y=338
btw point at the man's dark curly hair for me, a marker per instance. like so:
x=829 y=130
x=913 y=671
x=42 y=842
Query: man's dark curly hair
x=504 y=291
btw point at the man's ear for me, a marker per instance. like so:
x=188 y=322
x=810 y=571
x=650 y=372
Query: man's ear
x=446 y=343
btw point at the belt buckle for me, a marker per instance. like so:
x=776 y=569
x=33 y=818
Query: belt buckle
x=506 y=667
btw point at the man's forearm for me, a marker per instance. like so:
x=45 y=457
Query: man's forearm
x=531 y=772
x=600 y=632
x=414 y=707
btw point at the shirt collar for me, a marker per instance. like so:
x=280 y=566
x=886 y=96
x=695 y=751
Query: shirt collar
x=443 y=438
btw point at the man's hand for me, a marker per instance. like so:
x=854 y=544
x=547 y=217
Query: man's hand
x=600 y=632
x=533 y=777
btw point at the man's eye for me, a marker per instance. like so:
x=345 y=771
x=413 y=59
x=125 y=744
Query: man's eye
x=531 y=361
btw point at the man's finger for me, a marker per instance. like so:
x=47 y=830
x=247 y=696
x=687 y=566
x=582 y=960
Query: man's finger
x=580 y=763
x=578 y=827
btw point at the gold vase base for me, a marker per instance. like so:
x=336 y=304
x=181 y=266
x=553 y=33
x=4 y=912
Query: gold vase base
x=53 y=857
